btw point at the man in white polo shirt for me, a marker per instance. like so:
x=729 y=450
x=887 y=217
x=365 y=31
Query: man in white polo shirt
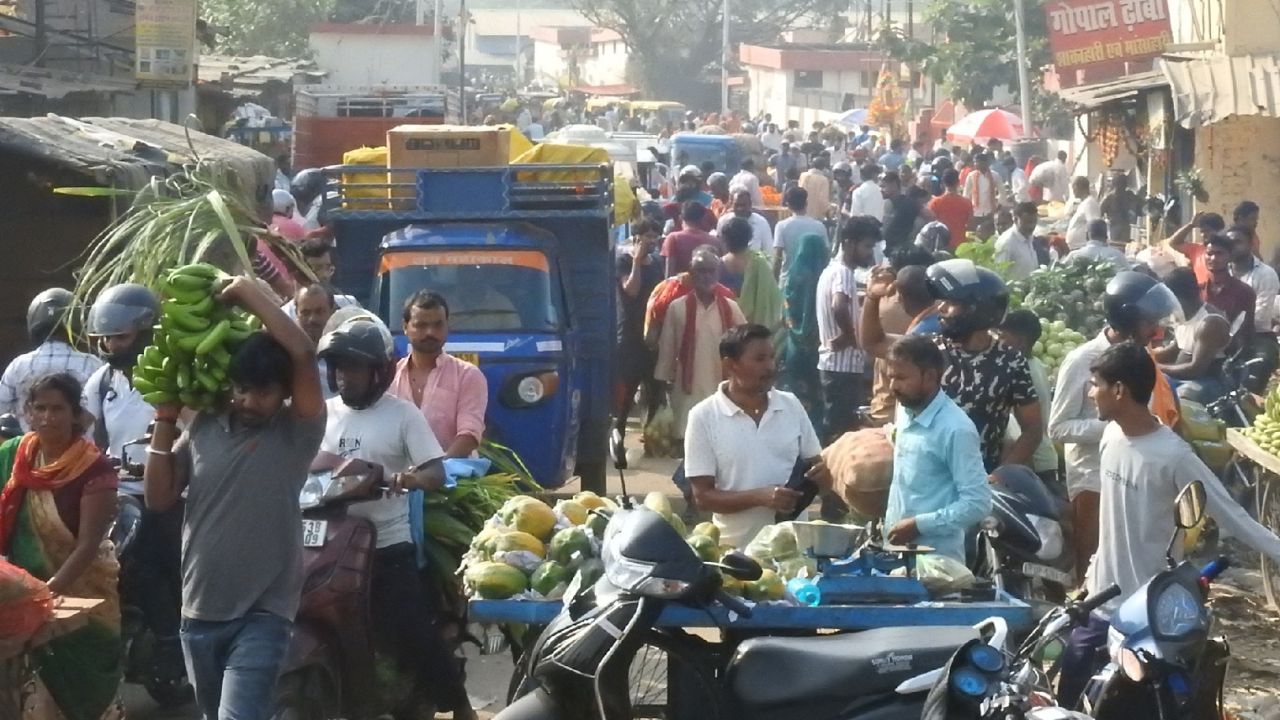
x=743 y=443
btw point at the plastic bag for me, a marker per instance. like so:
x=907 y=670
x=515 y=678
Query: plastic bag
x=25 y=603
x=942 y=574
x=772 y=543
x=659 y=440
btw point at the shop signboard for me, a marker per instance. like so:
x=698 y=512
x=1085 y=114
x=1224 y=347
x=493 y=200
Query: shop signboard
x=1084 y=33
x=165 y=36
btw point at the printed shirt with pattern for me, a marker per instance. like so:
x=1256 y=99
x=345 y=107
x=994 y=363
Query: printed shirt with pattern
x=987 y=385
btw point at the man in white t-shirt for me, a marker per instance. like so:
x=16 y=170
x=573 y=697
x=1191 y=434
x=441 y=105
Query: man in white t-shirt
x=1086 y=209
x=1016 y=245
x=841 y=362
x=120 y=321
x=365 y=423
x=743 y=443
x=761 y=233
x=1144 y=466
x=1054 y=177
x=867 y=199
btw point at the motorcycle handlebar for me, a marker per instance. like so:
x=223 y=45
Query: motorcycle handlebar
x=1215 y=568
x=733 y=604
x=1093 y=602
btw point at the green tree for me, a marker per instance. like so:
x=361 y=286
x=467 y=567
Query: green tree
x=975 y=50
x=278 y=28
x=675 y=45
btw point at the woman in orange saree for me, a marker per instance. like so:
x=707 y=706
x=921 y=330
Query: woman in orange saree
x=56 y=508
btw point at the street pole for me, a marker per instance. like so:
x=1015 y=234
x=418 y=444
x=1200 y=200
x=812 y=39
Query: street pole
x=724 y=60
x=463 y=24
x=435 y=33
x=1024 y=77
x=518 y=43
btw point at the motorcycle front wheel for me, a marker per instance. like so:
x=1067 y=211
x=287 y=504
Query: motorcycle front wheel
x=670 y=679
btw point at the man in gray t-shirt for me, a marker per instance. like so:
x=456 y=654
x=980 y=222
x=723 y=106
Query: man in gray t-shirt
x=786 y=236
x=242 y=533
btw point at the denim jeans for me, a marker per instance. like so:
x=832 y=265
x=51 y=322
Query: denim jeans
x=233 y=665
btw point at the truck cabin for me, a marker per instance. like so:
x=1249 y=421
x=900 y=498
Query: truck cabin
x=722 y=151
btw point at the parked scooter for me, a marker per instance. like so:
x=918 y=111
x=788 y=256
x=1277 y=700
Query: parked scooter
x=589 y=658
x=1022 y=547
x=329 y=667
x=1163 y=662
x=150 y=588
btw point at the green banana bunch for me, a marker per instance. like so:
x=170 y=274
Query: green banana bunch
x=193 y=342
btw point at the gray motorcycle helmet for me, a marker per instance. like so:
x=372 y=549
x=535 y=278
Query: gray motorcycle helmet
x=122 y=309
x=47 y=312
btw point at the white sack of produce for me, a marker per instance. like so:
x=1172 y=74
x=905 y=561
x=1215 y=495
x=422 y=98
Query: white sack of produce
x=861 y=465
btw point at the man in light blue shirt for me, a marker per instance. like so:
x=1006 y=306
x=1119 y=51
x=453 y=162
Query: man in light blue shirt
x=939 y=485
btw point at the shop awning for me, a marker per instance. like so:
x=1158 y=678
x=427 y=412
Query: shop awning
x=54 y=84
x=1209 y=90
x=1089 y=97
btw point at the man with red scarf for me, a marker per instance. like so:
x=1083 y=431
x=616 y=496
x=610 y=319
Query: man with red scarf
x=688 y=344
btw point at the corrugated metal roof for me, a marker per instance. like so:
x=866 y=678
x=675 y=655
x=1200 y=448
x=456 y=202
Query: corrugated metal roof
x=1088 y=97
x=54 y=84
x=125 y=152
x=1206 y=91
x=249 y=75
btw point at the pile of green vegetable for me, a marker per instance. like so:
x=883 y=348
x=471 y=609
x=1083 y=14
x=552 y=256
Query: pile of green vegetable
x=453 y=516
x=1265 y=430
x=1070 y=294
x=192 y=344
x=1056 y=340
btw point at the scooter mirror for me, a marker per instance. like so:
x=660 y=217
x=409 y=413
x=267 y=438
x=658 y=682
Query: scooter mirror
x=1190 y=505
x=740 y=567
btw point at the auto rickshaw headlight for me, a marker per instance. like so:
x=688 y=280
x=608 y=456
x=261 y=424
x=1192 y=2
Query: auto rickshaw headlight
x=530 y=389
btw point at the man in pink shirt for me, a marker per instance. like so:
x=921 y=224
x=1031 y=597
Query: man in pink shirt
x=451 y=393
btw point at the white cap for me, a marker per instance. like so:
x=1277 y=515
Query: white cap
x=282 y=202
x=688 y=170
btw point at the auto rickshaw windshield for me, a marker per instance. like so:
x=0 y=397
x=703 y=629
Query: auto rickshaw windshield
x=498 y=291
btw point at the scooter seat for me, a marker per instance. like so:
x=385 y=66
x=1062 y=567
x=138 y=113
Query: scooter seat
x=772 y=670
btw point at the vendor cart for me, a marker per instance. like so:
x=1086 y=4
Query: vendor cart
x=658 y=688
x=69 y=614
x=1260 y=469
x=768 y=617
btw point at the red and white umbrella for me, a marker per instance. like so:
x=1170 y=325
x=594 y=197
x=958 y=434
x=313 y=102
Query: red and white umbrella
x=985 y=125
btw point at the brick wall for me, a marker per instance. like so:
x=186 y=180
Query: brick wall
x=1239 y=159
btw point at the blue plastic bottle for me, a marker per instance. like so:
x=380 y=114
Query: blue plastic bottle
x=804 y=591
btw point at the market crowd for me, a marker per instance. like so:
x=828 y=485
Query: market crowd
x=765 y=310
x=855 y=312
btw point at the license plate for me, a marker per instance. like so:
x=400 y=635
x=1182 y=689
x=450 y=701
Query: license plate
x=313 y=533
x=473 y=358
x=1045 y=572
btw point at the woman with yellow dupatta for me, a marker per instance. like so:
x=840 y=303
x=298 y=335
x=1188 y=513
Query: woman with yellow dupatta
x=56 y=508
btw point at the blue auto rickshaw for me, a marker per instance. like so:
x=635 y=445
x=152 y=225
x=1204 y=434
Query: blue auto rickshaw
x=523 y=256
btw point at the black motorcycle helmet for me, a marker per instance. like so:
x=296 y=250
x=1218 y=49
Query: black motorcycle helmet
x=307 y=185
x=981 y=292
x=10 y=426
x=122 y=309
x=1132 y=298
x=360 y=340
x=47 y=313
